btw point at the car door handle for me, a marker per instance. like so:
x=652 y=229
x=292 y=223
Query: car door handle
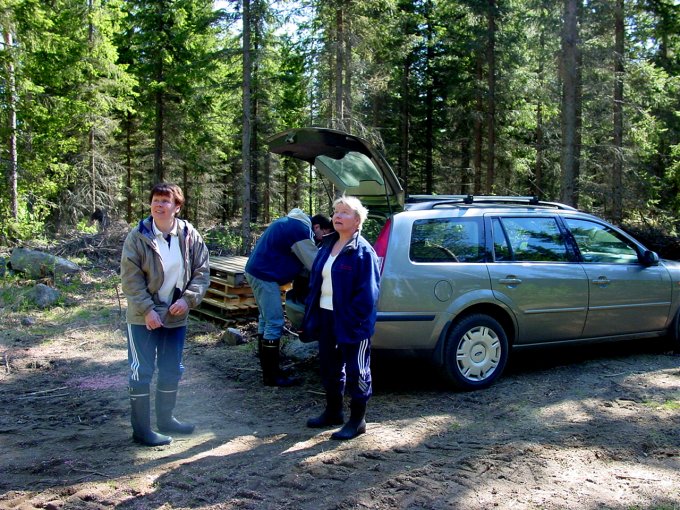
x=510 y=280
x=602 y=280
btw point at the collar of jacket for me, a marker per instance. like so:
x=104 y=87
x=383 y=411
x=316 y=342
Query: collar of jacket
x=146 y=227
x=352 y=244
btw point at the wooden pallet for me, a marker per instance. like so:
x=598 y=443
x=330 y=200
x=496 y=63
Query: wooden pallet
x=229 y=296
x=231 y=269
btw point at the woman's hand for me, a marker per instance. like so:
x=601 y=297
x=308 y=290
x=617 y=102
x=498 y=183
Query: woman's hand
x=153 y=320
x=179 y=307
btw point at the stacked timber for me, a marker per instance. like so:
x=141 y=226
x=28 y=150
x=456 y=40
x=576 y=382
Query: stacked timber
x=229 y=296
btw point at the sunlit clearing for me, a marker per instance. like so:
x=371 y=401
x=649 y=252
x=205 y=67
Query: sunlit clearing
x=394 y=433
x=574 y=412
x=239 y=444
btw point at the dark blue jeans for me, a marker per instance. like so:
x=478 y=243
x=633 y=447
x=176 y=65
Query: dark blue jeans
x=344 y=365
x=160 y=347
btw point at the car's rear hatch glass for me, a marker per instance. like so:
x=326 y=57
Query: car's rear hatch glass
x=351 y=163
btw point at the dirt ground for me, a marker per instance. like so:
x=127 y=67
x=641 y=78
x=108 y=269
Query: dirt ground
x=588 y=428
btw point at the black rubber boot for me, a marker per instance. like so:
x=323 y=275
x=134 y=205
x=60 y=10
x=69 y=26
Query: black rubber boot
x=166 y=398
x=141 y=419
x=331 y=416
x=356 y=424
x=259 y=337
x=269 y=360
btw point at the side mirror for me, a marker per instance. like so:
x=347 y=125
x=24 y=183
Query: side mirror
x=650 y=258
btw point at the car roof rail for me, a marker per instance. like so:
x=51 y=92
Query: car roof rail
x=423 y=202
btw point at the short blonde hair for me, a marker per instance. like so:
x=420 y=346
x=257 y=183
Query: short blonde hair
x=355 y=205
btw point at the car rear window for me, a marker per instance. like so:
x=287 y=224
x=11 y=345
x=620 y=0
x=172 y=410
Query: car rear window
x=447 y=240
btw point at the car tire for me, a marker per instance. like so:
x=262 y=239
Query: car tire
x=476 y=352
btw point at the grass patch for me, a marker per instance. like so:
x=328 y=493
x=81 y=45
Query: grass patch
x=670 y=404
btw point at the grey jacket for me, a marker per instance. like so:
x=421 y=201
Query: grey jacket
x=141 y=272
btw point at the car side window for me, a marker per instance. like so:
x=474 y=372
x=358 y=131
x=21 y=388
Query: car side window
x=601 y=244
x=529 y=240
x=501 y=245
x=447 y=240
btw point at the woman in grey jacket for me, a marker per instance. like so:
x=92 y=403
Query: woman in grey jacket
x=165 y=272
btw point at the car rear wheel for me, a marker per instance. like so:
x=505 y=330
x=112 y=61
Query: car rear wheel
x=476 y=352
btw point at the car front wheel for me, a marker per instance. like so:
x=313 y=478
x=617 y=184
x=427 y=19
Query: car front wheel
x=476 y=352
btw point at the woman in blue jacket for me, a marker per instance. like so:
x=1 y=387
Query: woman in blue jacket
x=340 y=313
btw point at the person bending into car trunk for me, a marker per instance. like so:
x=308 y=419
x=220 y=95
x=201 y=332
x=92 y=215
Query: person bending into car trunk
x=340 y=312
x=321 y=226
x=281 y=253
x=165 y=271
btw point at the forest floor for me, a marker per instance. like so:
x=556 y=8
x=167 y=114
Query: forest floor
x=585 y=428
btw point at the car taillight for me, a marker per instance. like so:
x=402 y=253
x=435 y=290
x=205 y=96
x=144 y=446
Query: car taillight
x=380 y=245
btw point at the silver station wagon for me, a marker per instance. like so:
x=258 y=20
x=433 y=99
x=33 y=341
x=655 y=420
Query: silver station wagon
x=467 y=279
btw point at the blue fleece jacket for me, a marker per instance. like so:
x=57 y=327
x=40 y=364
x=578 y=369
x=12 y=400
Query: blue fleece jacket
x=356 y=284
x=285 y=247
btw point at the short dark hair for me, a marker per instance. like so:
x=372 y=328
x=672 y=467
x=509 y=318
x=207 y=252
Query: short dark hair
x=323 y=221
x=169 y=190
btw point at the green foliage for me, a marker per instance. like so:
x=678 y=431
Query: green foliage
x=113 y=95
x=10 y=292
x=86 y=227
x=224 y=240
x=29 y=223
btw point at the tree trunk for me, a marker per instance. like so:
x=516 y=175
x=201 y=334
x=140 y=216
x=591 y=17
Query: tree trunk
x=617 y=166
x=538 y=167
x=159 y=97
x=266 y=195
x=255 y=185
x=347 y=64
x=91 y=137
x=186 y=210
x=405 y=123
x=429 y=108
x=93 y=170
x=12 y=170
x=477 y=130
x=158 y=156
x=540 y=138
x=571 y=100
x=339 y=60
x=465 y=171
x=128 y=167
x=245 y=146
x=491 y=100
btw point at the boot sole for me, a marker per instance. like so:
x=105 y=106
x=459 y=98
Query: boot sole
x=342 y=437
x=338 y=437
x=141 y=441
